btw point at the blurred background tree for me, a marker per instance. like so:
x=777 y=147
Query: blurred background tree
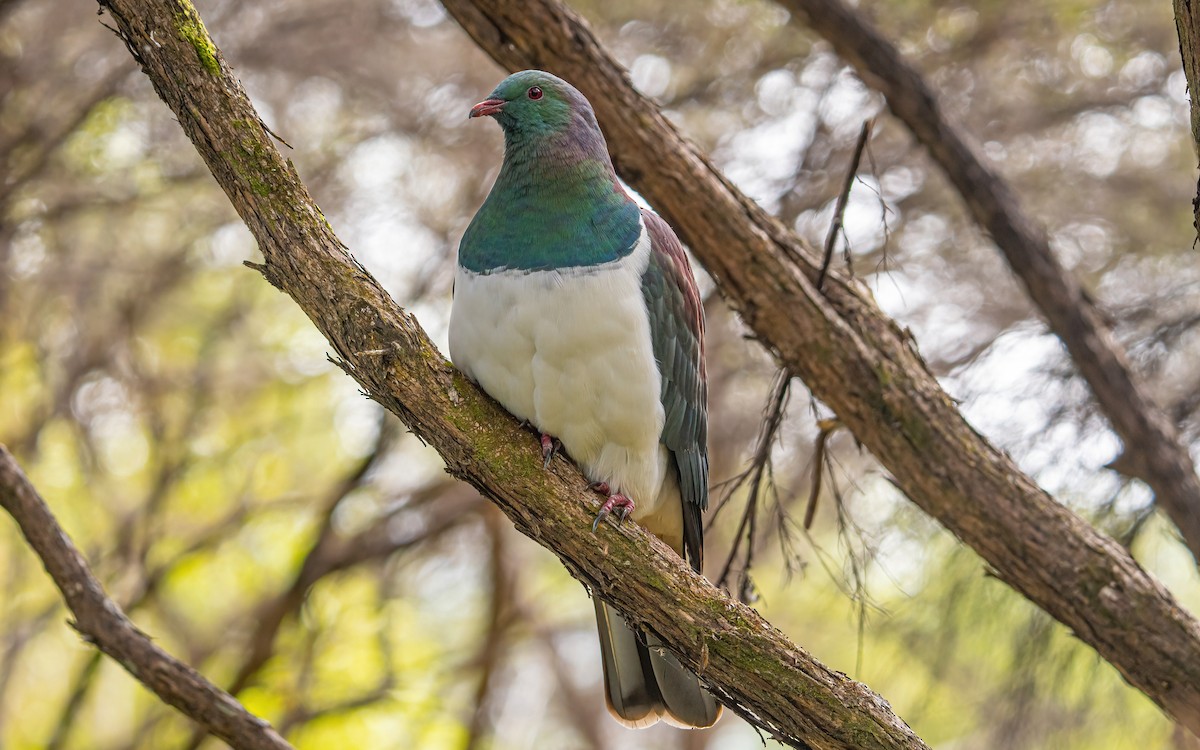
x=264 y=521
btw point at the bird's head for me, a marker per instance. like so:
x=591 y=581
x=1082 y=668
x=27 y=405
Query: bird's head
x=534 y=103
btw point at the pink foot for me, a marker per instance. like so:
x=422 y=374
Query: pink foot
x=550 y=446
x=622 y=504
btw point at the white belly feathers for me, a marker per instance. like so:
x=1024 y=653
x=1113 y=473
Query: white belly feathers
x=570 y=351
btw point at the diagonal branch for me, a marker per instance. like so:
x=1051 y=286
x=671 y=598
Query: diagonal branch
x=102 y=622
x=1153 y=451
x=866 y=369
x=752 y=666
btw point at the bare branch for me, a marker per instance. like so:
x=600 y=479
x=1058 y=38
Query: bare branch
x=101 y=622
x=758 y=479
x=839 y=211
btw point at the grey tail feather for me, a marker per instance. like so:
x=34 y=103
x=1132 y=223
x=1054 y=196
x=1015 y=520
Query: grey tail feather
x=643 y=684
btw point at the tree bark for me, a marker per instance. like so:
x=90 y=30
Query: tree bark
x=1187 y=26
x=751 y=666
x=866 y=369
x=100 y=621
x=1151 y=447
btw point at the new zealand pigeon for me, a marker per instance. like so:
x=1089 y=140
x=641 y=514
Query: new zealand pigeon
x=577 y=311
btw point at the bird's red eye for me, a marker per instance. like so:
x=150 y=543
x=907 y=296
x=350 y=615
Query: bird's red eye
x=535 y=93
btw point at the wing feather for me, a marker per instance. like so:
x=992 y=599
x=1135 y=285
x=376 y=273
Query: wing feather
x=677 y=333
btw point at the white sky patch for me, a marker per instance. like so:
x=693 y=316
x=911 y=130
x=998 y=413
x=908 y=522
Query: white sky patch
x=651 y=75
x=356 y=418
x=1012 y=397
x=995 y=151
x=847 y=105
x=230 y=245
x=302 y=355
x=125 y=147
x=380 y=225
x=949 y=327
x=924 y=235
x=1142 y=69
x=1082 y=245
x=407 y=470
x=313 y=109
x=1154 y=112
x=1100 y=140
x=1013 y=391
x=760 y=159
x=940 y=322
x=900 y=182
x=434 y=315
x=449 y=103
x=1004 y=403
x=776 y=92
x=375 y=165
x=1176 y=88
x=1149 y=150
x=420 y=13
x=1094 y=60
x=122 y=446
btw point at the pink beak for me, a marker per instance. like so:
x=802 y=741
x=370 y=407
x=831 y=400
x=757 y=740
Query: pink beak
x=486 y=108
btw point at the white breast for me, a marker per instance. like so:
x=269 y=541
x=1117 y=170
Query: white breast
x=570 y=351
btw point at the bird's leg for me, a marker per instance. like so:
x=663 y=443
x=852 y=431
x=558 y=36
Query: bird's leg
x=550 y=446
x=622 y=504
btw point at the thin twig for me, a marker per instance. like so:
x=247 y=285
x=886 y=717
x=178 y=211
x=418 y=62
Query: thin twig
x=757 y=475
x=839 y=211
x=825 y=428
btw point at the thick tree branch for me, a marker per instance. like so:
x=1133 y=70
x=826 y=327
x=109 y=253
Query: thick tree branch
x=751 y=665
x=864 y=367
x=101 y=621
x=1153 y=451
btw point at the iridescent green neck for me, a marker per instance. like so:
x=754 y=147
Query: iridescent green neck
x=555 y=205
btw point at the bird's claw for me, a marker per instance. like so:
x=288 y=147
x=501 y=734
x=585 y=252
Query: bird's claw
x=550 y=446
x=603 y=514
x=621 y=504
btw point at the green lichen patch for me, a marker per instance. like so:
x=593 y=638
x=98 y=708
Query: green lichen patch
x=492 y=447
x=192 y=29
x=252 y=161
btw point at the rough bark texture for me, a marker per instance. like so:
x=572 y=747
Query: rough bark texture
x=100 y=621
x=751 y=665
x=858 y=362
x=1152 y=450
x=1187 y=25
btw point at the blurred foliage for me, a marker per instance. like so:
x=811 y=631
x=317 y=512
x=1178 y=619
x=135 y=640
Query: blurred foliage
x=264 y=521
